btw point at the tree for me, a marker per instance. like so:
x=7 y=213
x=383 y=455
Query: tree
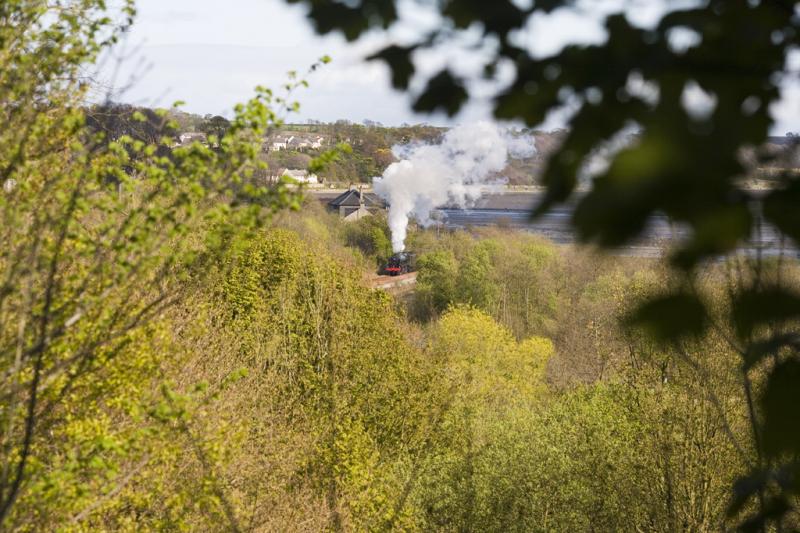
x=371 y=236
x=683 y=162
x=86 y=266
x=215 y=126
x=436 y=282
x=114 y=120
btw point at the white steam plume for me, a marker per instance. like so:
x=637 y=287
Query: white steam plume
x=457 y=171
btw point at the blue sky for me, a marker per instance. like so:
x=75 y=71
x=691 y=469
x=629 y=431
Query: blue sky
x=212 y=54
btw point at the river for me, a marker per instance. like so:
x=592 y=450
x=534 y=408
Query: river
x=555 y=226
x=512 y=209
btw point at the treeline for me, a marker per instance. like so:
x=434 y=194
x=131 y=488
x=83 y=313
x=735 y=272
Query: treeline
x=113 y=120
x=370 y=144
x=372 y=150
x=369 y=153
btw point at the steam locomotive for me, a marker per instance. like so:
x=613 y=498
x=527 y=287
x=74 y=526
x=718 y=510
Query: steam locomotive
x=400 y=263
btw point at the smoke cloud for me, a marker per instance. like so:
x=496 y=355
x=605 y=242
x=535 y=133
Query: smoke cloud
x=457 y=171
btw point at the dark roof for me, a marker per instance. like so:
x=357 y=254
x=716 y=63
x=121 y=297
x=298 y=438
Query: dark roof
x=352 y=198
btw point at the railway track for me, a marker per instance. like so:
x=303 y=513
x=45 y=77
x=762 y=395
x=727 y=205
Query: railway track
x=394 y=284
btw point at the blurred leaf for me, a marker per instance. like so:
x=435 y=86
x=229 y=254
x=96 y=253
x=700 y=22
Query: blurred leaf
x=351 y=20
x=444 y=92
x=716 y=232
x=758 y=350
x=670 y=317
x=609 y=212
x=330 y=16
x=773 y=509
x=746 y=488
x=498 y=16
x=781 y=405
x=781 y=208
x=757 y=307
x=398 y=58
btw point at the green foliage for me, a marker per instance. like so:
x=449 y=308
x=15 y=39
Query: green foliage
x=488 y=375
x=512 y=455
x=371 y=236
x=485 y=357
x=513 y=277
x=101 y=233
x=342 y=374
x=215 y=127
x=294 y=395
x=258 y=272
x=473 y=285
x=436 y=281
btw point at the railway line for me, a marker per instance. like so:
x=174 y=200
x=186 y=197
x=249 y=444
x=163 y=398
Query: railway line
x=394 y=284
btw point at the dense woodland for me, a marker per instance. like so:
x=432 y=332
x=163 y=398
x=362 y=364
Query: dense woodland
x=185 y=347
x=283 y=394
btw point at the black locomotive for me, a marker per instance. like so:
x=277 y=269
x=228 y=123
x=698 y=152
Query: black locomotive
x=400 y=263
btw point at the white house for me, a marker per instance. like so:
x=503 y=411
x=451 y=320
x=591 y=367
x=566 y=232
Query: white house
x=300 y=176
x=299 y=143
x=191 y=136
x=281 y=143
x=295 y=142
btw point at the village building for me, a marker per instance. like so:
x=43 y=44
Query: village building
x=298 y=175
x=280 y=143
x=190 y=137
x=354 y=204
x=301 y=176
x=296 y=142
x=301 y=143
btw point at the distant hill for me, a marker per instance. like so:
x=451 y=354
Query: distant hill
x=295 y=145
